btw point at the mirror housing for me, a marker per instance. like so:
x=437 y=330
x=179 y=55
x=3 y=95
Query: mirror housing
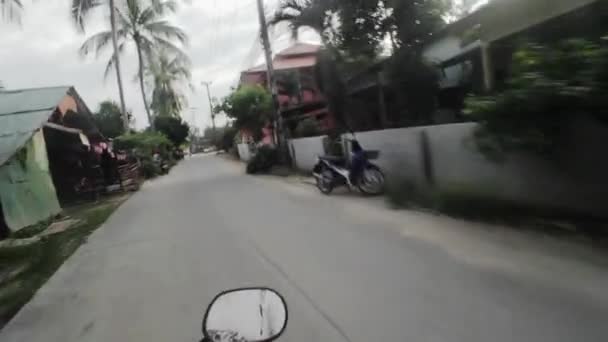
x=245 y=315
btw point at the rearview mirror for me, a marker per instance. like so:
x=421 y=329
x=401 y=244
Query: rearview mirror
x=245 y=315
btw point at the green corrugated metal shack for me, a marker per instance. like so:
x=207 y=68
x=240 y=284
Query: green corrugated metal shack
x=27 y=193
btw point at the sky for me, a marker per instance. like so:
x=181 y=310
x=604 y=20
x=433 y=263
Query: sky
x=42 y=51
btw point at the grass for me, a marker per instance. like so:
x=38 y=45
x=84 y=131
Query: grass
x=44 y=257
x=480 y=205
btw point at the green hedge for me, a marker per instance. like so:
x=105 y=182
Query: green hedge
x=263 y=161
x=144 y=145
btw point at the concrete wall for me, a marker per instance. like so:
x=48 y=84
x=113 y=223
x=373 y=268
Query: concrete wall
x=305 y=151
x=244 y=152
x=400 y=151
x=520 y=177
x=577 y=180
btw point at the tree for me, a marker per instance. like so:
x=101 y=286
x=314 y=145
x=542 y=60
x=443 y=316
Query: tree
x=166 y=74
x=108 y=119
x=141 y=23
x=358 y=32
x=11 y=9
x=542 y=96
x=173 y=128
x=354 y=28
x=80 y=9
x=250 y=107
x=313 y=14
x=412 y=23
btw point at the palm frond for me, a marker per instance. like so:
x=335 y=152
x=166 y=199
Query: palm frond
x=80 y=9
x=162 y=7
x=303 y=13
x=164 y=29
x=173 y=49
x=99 y=42
x=11 y=10
x=110 y=64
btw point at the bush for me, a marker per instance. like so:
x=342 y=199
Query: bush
x=144 y=145
x=405 y=194
x=149 y=168
x=308 y=128
x=227 y=140
x=470 y=203
x=549 y=86
x=173 y=128
x=263 y=161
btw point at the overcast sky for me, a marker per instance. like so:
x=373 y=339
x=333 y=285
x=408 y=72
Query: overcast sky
x=43 y=51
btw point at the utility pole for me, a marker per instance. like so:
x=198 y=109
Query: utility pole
x=270 y=76
x=207 y=84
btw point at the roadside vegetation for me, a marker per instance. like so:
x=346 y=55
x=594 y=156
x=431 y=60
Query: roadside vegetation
x=543 y=96
x=30 y=256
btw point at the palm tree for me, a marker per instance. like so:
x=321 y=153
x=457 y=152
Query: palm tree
x=80 y=9
x=167 y=74
x=11 y=9
x=312 y=14
x=141 y=23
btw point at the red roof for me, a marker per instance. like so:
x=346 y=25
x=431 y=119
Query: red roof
x=287 y=63
x=298 y=56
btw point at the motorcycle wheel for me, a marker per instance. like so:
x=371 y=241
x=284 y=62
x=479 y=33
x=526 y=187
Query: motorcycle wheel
x=325 y=182
x=372 y=181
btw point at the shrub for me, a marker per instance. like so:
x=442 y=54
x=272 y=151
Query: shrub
x=149 y=168
x=549 y=85
x=144 y=145
x=308 y=128
x=263 y=161
x=403 y=193
x=176 y=130
x=469 y=202
x=227 y=140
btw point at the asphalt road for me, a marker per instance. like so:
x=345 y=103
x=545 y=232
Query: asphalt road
x=350 y=269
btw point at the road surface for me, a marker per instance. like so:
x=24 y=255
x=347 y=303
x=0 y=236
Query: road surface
x=350 y=269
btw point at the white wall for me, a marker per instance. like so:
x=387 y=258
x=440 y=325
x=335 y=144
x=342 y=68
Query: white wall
x=304 y=152
x=244 y=152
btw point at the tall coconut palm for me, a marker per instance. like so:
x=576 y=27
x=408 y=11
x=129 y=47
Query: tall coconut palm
x=140 y=22
x=11 y=9
x=80 y=9
x=168 y=75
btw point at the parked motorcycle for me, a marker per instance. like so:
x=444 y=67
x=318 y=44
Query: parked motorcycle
x=355 y=172
x=245 y=315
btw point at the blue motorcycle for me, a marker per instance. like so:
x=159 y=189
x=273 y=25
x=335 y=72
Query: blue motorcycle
x=355 y=172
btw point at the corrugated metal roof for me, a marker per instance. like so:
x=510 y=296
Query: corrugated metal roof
x=23 y=112
x=300 y=49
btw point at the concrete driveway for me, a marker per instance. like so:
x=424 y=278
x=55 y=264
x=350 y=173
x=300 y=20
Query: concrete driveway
x=350 y=269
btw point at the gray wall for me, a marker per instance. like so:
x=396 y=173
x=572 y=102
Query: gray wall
x=576 y=180
x=520 y=177
x=304 y=152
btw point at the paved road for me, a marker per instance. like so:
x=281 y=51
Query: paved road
x=350 y=270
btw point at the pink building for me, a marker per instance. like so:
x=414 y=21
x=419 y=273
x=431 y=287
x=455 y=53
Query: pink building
x=299 y=95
